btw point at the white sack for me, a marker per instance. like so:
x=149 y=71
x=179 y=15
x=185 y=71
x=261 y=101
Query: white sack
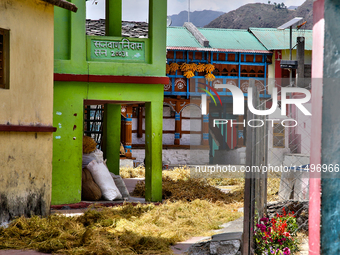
x=96 y=155
x=102 y=177
x=120 y=184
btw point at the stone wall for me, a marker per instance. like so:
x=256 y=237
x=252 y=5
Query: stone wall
x=177 y=156
x=232 y=157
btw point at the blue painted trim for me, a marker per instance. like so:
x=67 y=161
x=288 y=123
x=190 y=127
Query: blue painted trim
x=239 y=70
x=176 y=93
x=128 y=119
x=177 y=136
x=188 y=91
x=227 y=94
x=205 y=136
x=265 y=80
x=127 y=146
x=206 y=118
x=199 y=94
x=177 y=116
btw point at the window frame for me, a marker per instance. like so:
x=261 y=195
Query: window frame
x=4 y=58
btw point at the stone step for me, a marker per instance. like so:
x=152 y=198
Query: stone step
x=220 y=244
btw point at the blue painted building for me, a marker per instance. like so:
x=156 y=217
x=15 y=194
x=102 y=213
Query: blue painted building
x=236 y=56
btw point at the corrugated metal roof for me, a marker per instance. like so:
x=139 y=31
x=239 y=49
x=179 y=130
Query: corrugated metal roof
x=181 y=37
x=275 y=39
x=217 y=50
x=233 y=39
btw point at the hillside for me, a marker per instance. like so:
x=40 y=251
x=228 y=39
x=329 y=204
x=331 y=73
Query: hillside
x=263 y=15
x=198 y=18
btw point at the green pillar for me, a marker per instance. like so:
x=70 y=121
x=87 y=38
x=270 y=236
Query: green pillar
x=111 y=136
x=153 y=151
x=157 y=32
x=113 y=18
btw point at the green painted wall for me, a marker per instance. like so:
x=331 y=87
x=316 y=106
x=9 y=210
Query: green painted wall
x=111 y=131
x=71 y=44
x=72 y=56
x=67 y=141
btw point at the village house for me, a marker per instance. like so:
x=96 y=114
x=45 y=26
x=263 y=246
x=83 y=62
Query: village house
x=26 y=96
x=289 y=145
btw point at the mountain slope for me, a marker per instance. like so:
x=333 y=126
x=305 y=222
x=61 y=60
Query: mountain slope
x=263 y=15
x=198 y=18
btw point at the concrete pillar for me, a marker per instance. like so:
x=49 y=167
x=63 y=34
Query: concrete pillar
x=300 y=55
x=315 y=152
x=113 y=18
x=330 y=147
x=111 y=136
x=153 y=151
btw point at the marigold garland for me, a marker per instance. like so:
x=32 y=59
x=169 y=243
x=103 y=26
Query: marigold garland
x=193 y=67
x=209 y=68
x=189 y=74
x=174 y=67
x=185 y=67
x=200 y=67
x=189 y=69
x=209 y=77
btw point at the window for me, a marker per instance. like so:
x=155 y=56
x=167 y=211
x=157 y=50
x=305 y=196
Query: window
x=278 y=136
x=4 y=59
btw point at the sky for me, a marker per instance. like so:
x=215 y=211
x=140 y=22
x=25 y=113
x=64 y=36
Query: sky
x=137 y=10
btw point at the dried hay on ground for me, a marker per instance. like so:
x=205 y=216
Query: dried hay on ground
x=128 y=229
x=191 y=189
x=179 y=173
x=129 y=172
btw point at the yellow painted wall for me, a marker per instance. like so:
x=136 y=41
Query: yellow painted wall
x=285 y=56
x=308 y=56
x=30 y=97
x=26 y=158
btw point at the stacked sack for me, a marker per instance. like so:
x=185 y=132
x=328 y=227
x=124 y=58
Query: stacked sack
x=97 y=181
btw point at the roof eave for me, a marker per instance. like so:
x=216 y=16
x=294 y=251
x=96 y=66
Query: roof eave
x=63 y=4
x=217 y=50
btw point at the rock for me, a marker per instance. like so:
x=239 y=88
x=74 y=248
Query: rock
x=221 y=244
x=226 y=243
x=225 y=247
x=200 y=249
x=129 y=28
